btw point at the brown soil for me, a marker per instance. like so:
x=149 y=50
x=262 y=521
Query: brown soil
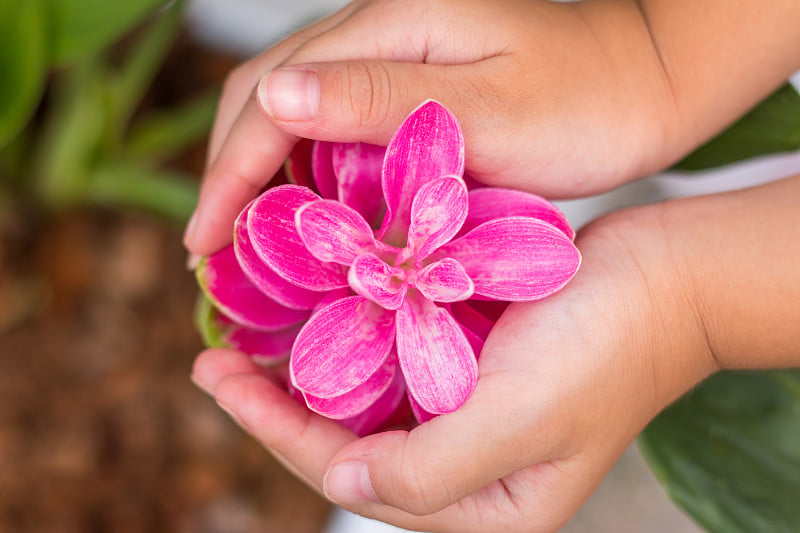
x=100 y=428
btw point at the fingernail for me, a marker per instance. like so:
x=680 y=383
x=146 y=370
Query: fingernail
x=192 y=261
x=233 y=415
x=202 y=385
x=289 y=94
x=191 y=228
x=348 y=483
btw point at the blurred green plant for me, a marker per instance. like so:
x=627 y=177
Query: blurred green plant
x=81 y=144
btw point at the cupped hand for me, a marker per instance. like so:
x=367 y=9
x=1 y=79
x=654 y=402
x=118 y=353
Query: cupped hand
x=559 y=99
x=566 y=383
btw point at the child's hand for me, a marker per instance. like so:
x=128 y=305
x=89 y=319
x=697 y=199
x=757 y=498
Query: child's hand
x=565 y=384
x=666 y=295
x=559 y=99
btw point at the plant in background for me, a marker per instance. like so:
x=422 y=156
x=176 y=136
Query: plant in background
x=80 y=145
x=377 y=299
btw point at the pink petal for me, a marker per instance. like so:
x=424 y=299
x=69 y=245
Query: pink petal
x=265 y=347
x=330 y=297
x=358 y=173
x=263 y=276
x=298 y=164
x=322 y=168
x=374 y=279
x=380 y=413
x=475 y=342
x=341 y=346
x=491 y=309
x=515 y=258
x=333 y=232
x=359 y=399
x=438 y=211
x=489 y=203
x=444 y=281
x=273 y=234
x=435 y=356
x=469 y=317
x=475 y=326
x=420 y=414
x=471 y=182
x=428 y=145
x=225 y=284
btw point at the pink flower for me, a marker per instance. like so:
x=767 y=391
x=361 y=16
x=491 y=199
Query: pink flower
x=388 y=275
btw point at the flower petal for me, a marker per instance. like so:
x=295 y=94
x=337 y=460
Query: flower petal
x=273 y=234
x=333 y=232
x=358 y=174
x=341 y=346
x=374 y=279
x=298 y=164
x=475 y=326
x=491 y=309
x=330 y=297
x=225 y=284
x=492 y=202
x=322 y=168
x=384 y=411
x=428 y=145
x=439 y=210
x=444 y=281
x=263 y=276
x=360 y=398
x=435 y=356
x=469 y=317
x=265 y=347
x=515 y=258
x=420 y=414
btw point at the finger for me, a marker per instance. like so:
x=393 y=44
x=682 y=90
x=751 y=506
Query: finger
x=253 y=152
x=366 y=100
x=542 y=396
x=215 y=364
x=301 y=439
x=241 y=81
x=441 y=462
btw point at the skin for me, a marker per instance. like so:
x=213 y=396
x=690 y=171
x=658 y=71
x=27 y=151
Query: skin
x=667 y=294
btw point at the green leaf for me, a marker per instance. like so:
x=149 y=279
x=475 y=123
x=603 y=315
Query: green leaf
x=771 y=127
x=205 y=317
x=128 y=84
x=23 y=63
x=163 y=135
x=74 y=127
x=729 y=452
x=131 y=185
x=82 y=27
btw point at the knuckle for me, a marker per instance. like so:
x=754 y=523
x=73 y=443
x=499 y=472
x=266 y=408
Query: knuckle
x=236 y=81
x=369 y=93
x=420 y=491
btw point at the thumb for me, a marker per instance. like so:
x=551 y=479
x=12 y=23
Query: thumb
x=357 y=101
x=442 y=461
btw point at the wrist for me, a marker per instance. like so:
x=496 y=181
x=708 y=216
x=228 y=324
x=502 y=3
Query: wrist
x=662 y=345
x=737 y=251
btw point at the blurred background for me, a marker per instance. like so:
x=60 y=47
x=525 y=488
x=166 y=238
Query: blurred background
x=100 y=428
